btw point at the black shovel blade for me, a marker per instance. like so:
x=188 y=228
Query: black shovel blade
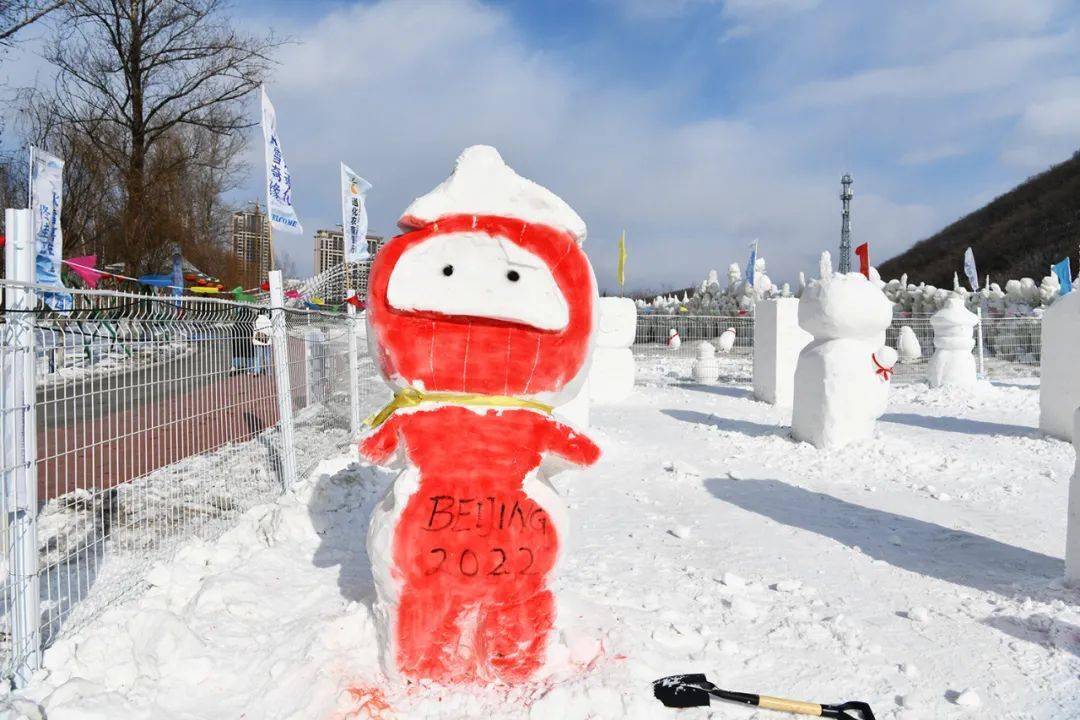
x=682 y=691
x=844 y=711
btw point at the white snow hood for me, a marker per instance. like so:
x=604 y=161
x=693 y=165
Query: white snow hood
x=482 y=184
x=468 y=274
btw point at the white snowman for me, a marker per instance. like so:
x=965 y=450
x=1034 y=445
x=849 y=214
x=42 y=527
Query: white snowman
x=673 y=340
x=842 y=377
x=726 y=341
x=908 y=345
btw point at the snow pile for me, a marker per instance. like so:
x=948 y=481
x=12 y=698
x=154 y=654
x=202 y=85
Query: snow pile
x=737 y=297
x=1020 y=298
x=482 y=184
x=59 y=363
x=706 y=540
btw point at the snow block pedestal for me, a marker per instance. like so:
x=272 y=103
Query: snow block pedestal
x=778 y=340
x=611 y=378
x=842 y=379
x=953 y=365
x=1072 y=538
x=1059 y=384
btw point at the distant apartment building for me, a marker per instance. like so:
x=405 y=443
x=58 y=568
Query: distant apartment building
x=330 y=252
x=250 y=234
x=330 y=248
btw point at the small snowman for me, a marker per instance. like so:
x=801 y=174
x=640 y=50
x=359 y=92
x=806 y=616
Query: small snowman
x=673 y=340
x=952 y=363
x=727 y=340
x=842 y=378
x=908 y=345
x=706 y=367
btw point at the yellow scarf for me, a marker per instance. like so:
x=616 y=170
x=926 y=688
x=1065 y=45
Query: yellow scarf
x=411 y=397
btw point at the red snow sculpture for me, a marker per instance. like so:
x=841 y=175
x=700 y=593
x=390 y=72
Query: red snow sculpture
x=479 y=319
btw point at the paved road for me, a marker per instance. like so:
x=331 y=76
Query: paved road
x=104 y=431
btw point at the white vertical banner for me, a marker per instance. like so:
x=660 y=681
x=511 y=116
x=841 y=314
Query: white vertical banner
x=970 y=271
x=278 y=181
x=354 y=220
x=46 y=201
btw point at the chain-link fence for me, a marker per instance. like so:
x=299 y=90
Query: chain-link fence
x=132 y=423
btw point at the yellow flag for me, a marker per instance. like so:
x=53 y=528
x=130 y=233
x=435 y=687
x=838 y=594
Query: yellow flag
x=620 y=272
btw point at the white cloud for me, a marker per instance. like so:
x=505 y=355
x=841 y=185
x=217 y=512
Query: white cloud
x=932 y=154
x=398 y=89
x=1048 y=130
x=981 y=68
x=755 y=12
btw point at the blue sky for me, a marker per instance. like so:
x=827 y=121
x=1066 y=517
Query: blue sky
x=696 y=125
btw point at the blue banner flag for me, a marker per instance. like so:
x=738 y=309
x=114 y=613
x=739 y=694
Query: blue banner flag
x=751 y=264
x=1063 y=270
x=46 y=199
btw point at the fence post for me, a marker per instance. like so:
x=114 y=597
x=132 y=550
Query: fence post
x=280 y=340
x=979 y=340
x=19 y=407
x=354 y=370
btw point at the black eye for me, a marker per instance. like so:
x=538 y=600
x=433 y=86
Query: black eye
x=513 y=276
x=448 y=270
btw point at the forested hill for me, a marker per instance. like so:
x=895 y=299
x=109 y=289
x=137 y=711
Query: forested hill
x=1019 y=234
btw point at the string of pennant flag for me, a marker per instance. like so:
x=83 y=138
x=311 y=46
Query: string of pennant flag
x=85 y=268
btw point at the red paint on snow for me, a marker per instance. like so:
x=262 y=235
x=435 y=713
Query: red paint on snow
x=479 y=355
x=371 y=705
x=473 y=550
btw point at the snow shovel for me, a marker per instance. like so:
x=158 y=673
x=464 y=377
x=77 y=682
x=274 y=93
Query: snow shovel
x=693 y=690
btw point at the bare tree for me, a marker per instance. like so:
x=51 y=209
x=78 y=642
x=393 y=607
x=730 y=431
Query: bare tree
x=18 y=14
x=154 y=86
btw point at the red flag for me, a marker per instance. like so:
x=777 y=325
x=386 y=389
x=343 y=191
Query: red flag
x=84 y=268
x=265 y=287
x=353 y=300
x=863 y=251
x=292 y=294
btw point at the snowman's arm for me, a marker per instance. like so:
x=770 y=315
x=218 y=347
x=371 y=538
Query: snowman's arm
x=380 y=444
x=567 y=442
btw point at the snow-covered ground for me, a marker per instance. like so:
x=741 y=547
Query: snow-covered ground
x=103 y=359
x=919 y=571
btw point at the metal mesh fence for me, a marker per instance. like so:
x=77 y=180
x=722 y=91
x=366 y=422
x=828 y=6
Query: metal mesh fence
x=157 y=420
x=913 y=356
x=320 y=372
x=1011 y=347
x=654 y=348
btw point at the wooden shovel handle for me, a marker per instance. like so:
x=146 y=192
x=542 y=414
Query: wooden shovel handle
x=798 y=707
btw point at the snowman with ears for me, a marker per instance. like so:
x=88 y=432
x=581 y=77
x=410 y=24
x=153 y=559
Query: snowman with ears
x=842 y=377
x=481 y=316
